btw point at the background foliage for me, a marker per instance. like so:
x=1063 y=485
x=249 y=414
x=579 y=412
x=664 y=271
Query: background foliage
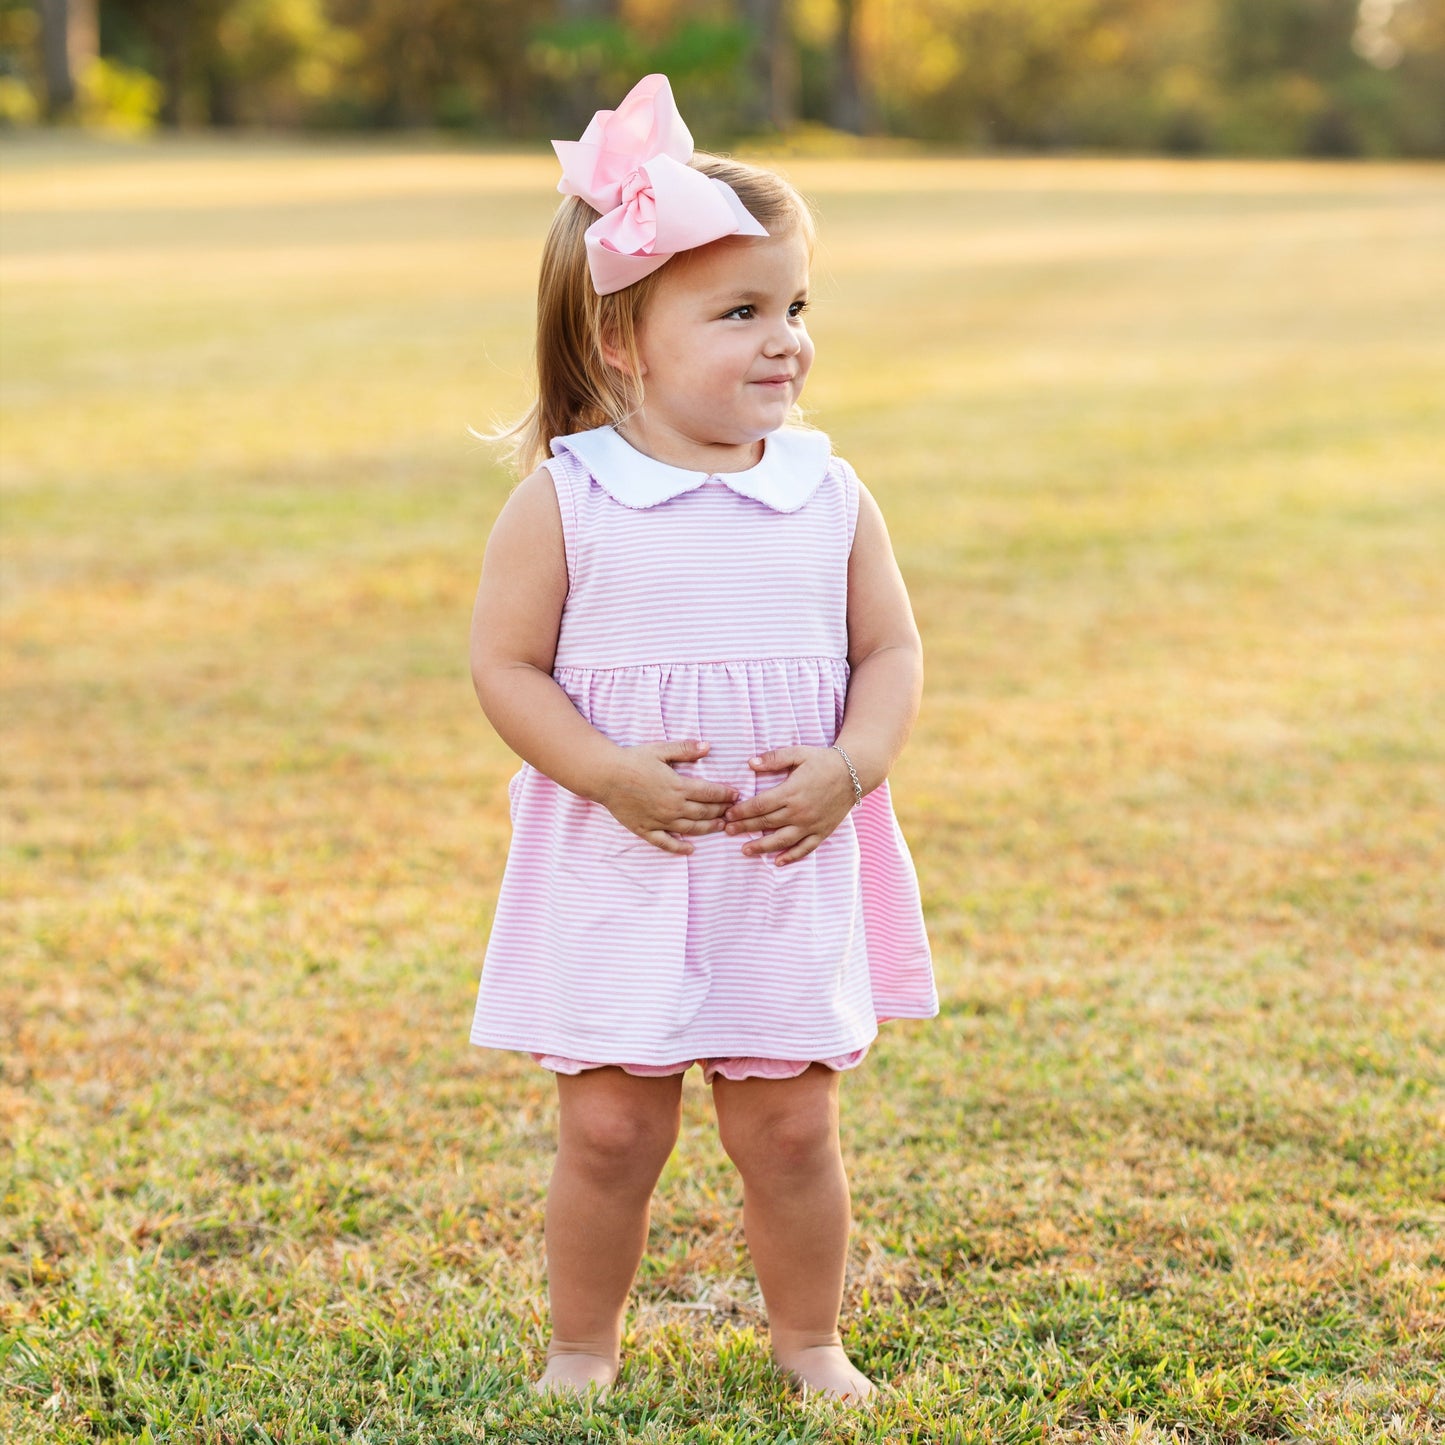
x=1318 y=77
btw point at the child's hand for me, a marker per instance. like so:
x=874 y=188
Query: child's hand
x=652 y=800
x=801 y=811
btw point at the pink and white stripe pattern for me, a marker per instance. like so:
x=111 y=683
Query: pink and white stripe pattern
x=711 y=607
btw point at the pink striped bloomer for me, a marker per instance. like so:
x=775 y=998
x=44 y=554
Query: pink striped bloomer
x=710 y=607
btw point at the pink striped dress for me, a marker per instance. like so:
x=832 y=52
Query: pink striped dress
x=712 y=607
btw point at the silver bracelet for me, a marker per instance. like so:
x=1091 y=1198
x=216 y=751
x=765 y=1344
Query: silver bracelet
x=852 y=773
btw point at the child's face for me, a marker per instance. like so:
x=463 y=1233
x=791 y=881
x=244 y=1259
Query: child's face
x=723 y=346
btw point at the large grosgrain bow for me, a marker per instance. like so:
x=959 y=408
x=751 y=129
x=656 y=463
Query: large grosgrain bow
x=632 y=165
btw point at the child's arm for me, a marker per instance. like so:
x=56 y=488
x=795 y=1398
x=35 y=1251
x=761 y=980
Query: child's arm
x=514 y=643
x=885 y=688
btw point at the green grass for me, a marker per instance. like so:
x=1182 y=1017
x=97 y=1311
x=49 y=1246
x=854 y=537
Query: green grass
x=1160 y=446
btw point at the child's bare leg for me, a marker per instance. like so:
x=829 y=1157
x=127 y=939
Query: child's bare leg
x=615 y=1134
x=783 y=1136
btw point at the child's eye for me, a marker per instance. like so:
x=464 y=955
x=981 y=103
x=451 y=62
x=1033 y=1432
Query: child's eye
x=796 y=309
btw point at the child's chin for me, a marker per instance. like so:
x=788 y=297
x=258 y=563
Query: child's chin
x=778 y=405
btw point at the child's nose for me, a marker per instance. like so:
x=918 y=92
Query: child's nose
x=785 y=342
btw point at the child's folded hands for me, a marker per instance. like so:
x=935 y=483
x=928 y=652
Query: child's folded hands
x=650 y=798
x=802 y=810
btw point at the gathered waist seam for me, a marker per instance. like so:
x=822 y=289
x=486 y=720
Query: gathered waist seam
x=710 y=662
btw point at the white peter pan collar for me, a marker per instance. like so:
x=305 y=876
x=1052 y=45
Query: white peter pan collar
x=794 y=463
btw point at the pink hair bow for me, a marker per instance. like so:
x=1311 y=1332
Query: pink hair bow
x=632 y=165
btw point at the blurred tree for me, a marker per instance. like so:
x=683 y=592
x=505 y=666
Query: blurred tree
x=506 y=87
x=1017 y=57
x=769 y=98
x=585 y=95
x=406 y=52
x=1281 y=60
x=273 y=60
x=226 y=62
x=1265 y=37
x=849 y=104
x=1403 y=92
x=69 y=37
x=834 y=88
x=510 y=66
x=177 y=43
x=985 y=71
x=589 y=54
x=22 y=78
x=585 y=65
x=1146 y=77
x=1311 y=75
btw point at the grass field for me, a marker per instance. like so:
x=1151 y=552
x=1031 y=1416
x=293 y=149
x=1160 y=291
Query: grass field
x=1162 y=447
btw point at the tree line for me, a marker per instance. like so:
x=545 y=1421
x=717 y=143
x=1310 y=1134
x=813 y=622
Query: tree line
x=1324 y=77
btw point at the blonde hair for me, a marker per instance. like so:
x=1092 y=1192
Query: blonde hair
x=577 y=389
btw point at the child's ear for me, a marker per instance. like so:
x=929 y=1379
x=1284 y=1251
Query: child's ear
x=616 y=357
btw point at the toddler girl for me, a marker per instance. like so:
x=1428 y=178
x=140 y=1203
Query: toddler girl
x=691 y=627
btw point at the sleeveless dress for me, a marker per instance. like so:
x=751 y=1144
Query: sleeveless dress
x=710 y=607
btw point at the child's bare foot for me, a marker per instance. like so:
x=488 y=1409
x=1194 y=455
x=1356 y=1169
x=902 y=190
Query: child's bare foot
x=576 y=1374
x=825 y=1370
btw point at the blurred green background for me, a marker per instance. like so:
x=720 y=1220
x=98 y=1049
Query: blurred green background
x=1240 y=77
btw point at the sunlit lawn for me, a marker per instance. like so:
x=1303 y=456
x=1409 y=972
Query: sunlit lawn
x=1162 y=449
